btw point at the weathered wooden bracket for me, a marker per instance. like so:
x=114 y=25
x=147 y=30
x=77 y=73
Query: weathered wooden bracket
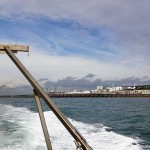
x=14 y=48
x=80 y=141
x=42 y=119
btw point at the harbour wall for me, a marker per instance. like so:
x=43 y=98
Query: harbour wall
x=63 y=95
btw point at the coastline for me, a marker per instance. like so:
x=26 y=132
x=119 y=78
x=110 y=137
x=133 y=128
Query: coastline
x=66 y=95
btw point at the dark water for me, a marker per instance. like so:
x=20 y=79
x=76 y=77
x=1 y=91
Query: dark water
x=125 y=116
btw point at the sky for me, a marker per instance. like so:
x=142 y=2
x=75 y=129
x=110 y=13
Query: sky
x=73 y=40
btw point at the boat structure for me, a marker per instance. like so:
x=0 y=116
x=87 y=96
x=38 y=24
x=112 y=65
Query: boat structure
x=39 y=93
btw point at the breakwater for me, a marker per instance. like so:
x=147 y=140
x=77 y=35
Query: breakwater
x=66 y=95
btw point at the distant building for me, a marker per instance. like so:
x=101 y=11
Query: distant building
x=128 y=87
x=145 y=92
x=86 y=92
x=94 y=91
x=99 y=87
x=114 y=89
x=78 y=92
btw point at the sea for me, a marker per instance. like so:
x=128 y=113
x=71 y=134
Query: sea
x=106 y=123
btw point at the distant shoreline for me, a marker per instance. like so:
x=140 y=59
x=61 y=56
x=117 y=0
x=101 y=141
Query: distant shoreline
x=62 y=95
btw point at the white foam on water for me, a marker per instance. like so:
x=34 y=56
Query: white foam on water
x=24 y=132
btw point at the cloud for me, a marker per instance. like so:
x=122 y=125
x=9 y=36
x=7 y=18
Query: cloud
x=121 y=20
x=90 y=75
x=18 y=90
x=85 y=83
x=54 y=67
x=2 y=86
x=42 y=80
x=111 y=40
x=70 y=83
x=120 y=15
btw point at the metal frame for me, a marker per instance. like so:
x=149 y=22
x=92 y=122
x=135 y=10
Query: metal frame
x=39 y=92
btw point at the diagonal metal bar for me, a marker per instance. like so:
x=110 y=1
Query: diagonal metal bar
x=75 y=134
x=42 y=119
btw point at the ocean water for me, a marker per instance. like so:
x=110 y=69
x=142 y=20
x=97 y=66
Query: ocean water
x=106 y=123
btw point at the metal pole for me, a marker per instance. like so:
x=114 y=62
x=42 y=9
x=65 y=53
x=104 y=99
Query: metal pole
x=43 y=122
x=76 y=135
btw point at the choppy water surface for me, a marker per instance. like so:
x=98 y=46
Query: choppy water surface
x=107 y=124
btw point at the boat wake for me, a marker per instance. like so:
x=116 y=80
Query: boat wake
x=20 y=129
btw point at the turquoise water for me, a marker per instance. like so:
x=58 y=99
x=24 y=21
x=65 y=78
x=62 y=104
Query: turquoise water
x=107 y=123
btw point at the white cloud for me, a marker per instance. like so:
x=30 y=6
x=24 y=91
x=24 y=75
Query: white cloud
x=42 y=65
x=120 y=14
x=127 y=20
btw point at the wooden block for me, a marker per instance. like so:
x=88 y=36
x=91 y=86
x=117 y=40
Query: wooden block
x=14 y=48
